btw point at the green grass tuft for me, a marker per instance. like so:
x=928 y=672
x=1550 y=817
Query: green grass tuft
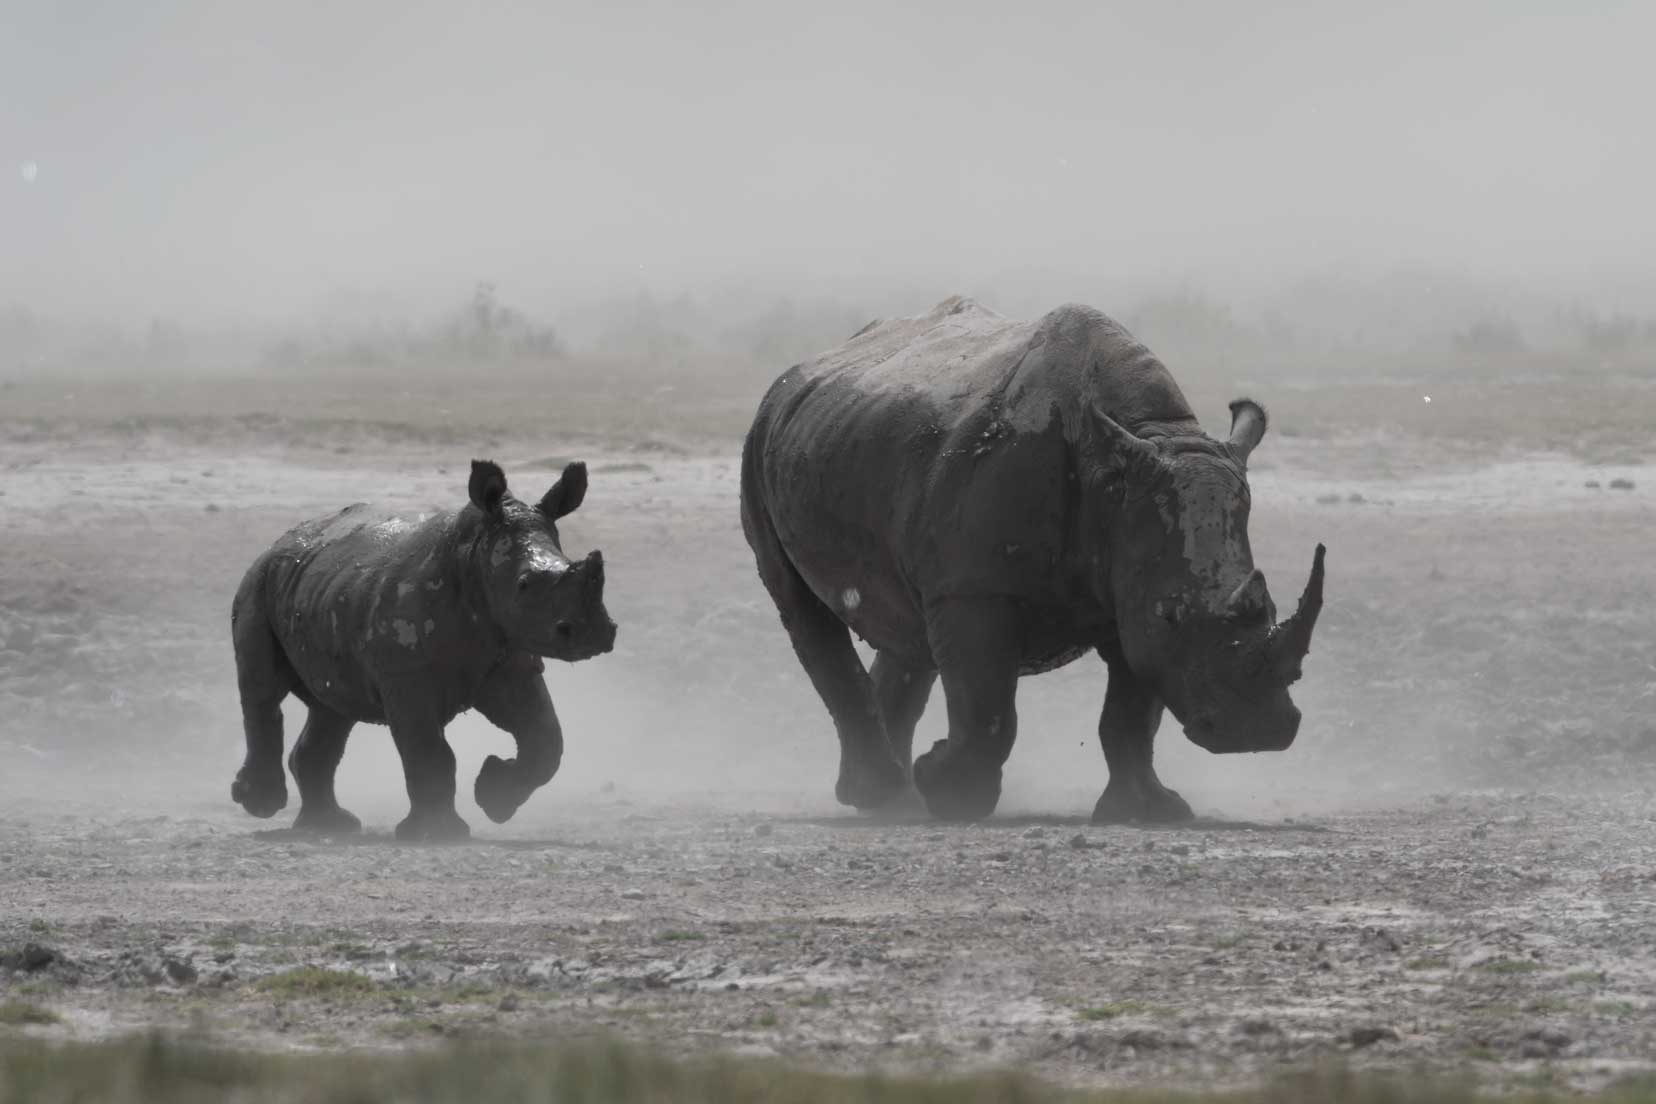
x=23 y=1014
x=138 y=1071
x=1115 y=1009
x=680 y=937
x=316 y=981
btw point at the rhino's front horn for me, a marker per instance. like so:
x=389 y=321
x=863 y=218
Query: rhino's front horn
x=1291 y=640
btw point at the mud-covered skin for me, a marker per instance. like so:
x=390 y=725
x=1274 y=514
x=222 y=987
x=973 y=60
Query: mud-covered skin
x=367 y=616
x=980 y=499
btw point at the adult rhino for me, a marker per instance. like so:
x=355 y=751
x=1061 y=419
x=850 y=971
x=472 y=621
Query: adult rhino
x=986 y=498
x=368 y=616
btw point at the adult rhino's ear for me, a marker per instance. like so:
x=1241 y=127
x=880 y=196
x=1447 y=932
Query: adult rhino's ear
x=1115 y=449
x=1248 y=423
x=566 y=493
x=487 y=486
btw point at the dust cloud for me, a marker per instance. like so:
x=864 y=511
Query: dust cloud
x=572 y=230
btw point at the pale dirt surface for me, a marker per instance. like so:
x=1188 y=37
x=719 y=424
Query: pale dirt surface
x=1456 y=864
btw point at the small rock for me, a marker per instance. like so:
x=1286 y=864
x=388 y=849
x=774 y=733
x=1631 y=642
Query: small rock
x=1367 y=1036
x=762 y=829
x=1355 y=498
x=1543 y=1042
x=212 y=508
x=1079 y=841
x=1328 y=500
x=1593 y=485
x=1180 y=849
x=1380 y=939
x=508 y=1003
x=33 y=957
x=180 y=972
x=1621 y=484
x=632 y=895
x=1256 y=1028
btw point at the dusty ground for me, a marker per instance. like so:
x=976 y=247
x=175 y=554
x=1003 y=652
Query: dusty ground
x=1456 y=865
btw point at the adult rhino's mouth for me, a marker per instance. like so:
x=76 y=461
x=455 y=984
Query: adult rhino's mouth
x=1232 y=735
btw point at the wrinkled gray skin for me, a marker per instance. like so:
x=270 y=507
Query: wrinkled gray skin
x=981 y=499
x=366 y=616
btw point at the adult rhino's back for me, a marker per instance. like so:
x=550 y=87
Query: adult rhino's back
x=932 y=454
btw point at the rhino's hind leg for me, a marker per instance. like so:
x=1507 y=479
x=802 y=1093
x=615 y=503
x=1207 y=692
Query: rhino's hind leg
x=263 y=677
x=975 y=641
x=869 y=775
x=902 y=692
x=314 y=761
x=1127 y=729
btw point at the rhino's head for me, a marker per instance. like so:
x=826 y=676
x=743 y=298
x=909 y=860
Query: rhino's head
x=537 y=598
x=1193 y=613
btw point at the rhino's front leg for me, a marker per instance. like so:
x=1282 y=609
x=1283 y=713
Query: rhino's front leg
x=514 y=698
x=428 y=766
x=1127 y=729
x=975 y=642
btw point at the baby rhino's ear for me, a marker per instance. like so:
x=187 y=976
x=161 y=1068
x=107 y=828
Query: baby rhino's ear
x=487 y=487
x=566 y=493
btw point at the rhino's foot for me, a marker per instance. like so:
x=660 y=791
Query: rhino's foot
x=263 y=795
x=444 y=826
x=954 y=789
x=869 y=785
x=1140 y=801
x=499 y=790
x=326 y=822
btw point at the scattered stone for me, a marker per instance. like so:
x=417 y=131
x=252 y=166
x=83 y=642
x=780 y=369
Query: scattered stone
x=762 y=829
x=31 y=958
x=632 y=895
x=1367 y=1036
x=1379 y=939
x=508 y=1003
x=1180 y=849
x=1255 y=1028
x=1621 y=484
x=212 y=508
x=1593 y=485
x=1328 y=500
x=179 y=971
x=1355 y=498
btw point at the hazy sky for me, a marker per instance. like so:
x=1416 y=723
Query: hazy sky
x=213 y=160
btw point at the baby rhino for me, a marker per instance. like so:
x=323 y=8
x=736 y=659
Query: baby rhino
x=408 y=622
